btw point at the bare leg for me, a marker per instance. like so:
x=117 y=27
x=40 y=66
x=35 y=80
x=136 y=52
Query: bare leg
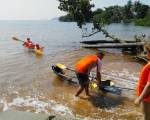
x=87 y=89
x=80 y=89
x=146 y=110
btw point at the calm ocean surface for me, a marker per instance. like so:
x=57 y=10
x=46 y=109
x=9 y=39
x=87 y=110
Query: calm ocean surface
x=27 y=82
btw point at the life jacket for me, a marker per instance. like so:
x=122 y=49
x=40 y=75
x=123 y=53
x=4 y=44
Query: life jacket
x=85 y=63
x=29 y=44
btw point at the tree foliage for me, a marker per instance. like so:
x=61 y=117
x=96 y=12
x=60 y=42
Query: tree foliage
x=127 y=11
x=67 y=18
x=79 y=9
x=140 y=10
x=81 y=12
x=143 y=22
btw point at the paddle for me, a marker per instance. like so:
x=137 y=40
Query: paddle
x=14 y=38
x=92 y=81
x=17 y=39
x=93 y=85
x=63 y=67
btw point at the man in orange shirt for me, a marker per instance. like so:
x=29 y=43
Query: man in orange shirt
x=83 y=68
x=143 y=89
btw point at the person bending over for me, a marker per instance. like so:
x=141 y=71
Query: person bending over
x=83 y=68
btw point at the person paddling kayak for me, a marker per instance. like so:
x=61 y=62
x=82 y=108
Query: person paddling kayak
x=38 y=49
x=29 y=44
x=83 y=68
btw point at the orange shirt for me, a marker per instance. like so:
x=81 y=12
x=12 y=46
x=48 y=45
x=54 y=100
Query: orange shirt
x=85 y=63
x=144 y=78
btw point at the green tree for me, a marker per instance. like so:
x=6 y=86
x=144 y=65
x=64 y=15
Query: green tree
x=114 y=14
x=143 y=22
x=80 y=9
x=98 y=11
x=82 y=12
x=140 y=10
x=127 y=11
x=67 y=18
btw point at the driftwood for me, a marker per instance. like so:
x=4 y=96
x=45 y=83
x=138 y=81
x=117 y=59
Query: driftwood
x=115 y=45
x=134 y=47
x=104 y=41
x=142 y=57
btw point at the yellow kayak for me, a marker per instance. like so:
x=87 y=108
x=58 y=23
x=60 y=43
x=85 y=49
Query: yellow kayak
x=38 y=52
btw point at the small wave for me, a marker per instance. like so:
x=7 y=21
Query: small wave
x=38 y=105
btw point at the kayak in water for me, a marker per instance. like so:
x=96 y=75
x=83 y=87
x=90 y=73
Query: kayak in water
x=38 y=52
x=30 y=46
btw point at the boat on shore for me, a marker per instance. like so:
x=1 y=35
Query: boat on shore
x=107 y=85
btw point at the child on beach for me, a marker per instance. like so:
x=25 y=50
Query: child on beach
x=143 y=89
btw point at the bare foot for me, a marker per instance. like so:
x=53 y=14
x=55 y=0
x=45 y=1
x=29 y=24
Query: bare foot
x=88 y=95
x=76 y=95
x=85 y=97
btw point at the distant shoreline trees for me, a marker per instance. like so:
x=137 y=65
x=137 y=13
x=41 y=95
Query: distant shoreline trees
x=136 y=13
x=80 y=11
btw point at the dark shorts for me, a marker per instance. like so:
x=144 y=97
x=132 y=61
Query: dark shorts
x=83 y=78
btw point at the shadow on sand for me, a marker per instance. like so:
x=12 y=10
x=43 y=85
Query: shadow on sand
x=106 y=100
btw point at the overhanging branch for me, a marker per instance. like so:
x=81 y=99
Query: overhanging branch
x=105 y=33
x=91 y=34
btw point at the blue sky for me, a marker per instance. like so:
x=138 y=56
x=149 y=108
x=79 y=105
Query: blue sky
x=43 y=9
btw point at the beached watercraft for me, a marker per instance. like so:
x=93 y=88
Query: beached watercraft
x=107 y=85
